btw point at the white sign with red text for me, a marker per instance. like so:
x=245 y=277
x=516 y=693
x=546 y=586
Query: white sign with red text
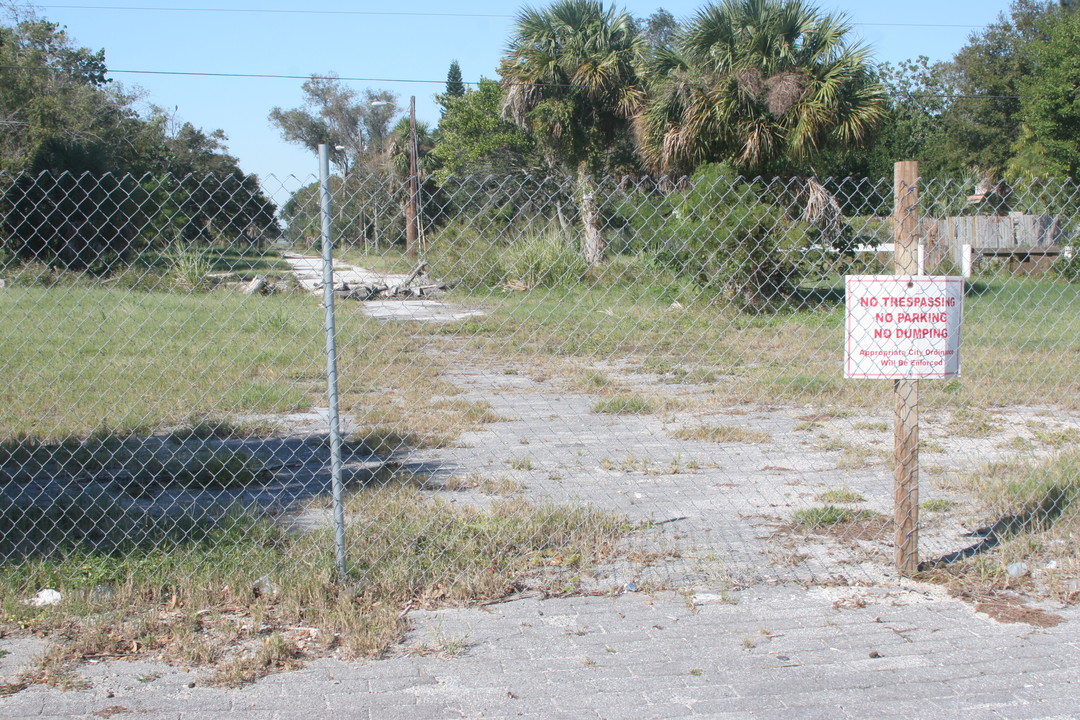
x=903 y=327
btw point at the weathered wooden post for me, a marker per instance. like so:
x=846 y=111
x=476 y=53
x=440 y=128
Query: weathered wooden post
x=412 y=223
x=904 y=327
x=906 y=427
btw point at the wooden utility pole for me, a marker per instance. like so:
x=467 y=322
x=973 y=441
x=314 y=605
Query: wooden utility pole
x=411 y=220
x=906 y=428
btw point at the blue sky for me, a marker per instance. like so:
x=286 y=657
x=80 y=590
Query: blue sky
x=394 y=44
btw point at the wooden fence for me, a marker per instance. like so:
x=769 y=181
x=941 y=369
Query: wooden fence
x=945 y=238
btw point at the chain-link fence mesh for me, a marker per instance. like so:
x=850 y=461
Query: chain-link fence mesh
x=576 y=382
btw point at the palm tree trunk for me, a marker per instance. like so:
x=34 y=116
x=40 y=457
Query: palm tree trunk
x=592 y=241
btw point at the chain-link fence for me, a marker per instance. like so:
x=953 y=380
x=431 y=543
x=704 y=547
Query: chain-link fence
x=573 y=382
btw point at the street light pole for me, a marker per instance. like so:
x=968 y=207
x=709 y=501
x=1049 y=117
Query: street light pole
x=412 y=224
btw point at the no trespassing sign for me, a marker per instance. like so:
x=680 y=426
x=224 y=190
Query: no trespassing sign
x=903 y=327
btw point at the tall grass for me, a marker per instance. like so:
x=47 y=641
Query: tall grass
x=185 y=587
x=1030 y=514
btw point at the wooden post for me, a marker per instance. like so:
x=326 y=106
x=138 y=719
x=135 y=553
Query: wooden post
x=906 y=428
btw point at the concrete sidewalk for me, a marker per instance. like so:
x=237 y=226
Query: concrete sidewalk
x=309 y=274
x=767 y=651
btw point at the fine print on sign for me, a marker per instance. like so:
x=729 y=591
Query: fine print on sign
x=903 y=327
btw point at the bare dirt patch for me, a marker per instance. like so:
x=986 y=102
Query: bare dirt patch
x=1013 y=609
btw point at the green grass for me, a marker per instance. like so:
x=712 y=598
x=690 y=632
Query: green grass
x=722 y=434
x=186 y=269
x=841 y=495
x=81 y=359
x=1016 y=342
x=827 y=516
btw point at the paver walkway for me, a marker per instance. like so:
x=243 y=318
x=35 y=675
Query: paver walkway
x=769 y=651
x=309 y=273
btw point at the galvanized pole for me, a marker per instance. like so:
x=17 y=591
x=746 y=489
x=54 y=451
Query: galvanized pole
x=331 y=359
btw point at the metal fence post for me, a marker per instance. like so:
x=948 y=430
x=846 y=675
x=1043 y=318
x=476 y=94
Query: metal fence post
x=331 y=358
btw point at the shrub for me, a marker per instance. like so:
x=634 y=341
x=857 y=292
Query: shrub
x=1067 y=266
x=726 y=238
x=544 y=260
x=190 y=271
x=468 y=254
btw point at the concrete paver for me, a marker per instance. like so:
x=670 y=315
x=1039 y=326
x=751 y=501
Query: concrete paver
x=585 y=657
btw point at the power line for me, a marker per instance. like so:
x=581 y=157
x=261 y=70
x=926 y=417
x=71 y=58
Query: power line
x=267 y=11
x=250 y=76
x=270 y=76
x=267 y=76
x=918 y=25
x=374 y=13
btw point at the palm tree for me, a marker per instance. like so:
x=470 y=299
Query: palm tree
x=765 y=84
x=572 y=82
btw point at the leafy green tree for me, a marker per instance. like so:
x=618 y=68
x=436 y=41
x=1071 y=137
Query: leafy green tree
x=731 y=236
x=768 y=85
x=983 y=124
x=217 y=199
x=1049 y=143
x=571 y=78
x=91 y=178
x=355 y=126
x=474 y=138
x=659 y=29
x=430 y=201
x=55 y=95
x=918 y=95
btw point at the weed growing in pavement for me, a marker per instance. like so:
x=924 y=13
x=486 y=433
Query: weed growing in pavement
x=871 y=426
x=937 y=505
x=972 y=423
x=275 y=654
x=723 y=434
x=625 y=404
x=841 y=495
x=827 y=516
x=520 y=463
x=442 y=644
x=853 y=457
x=500 y=486
x=1058 y=438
